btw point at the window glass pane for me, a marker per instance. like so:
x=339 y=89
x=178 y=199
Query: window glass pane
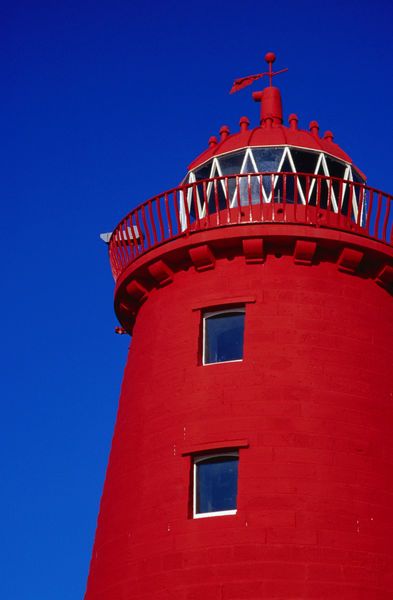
x=267 y=159
x=357 y=177
x=284 y=192
x=361 y=201
x=197 y=199
x=231 y=164
x=203 y=172
x=218 y=197
x=250 y=190
x=305 y=162
x=223 y=339
x=335 y=168
x=216 y=484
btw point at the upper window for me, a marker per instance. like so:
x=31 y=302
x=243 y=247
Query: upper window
x=215 y=484
x=223 y=333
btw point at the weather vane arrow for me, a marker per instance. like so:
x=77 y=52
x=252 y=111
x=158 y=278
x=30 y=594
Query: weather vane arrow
x=243 y=82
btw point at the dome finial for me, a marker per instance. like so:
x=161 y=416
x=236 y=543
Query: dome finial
x=270 y=57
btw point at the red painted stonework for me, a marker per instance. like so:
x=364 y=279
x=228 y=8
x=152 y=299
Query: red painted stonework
x=309 y=408
x=313 y=397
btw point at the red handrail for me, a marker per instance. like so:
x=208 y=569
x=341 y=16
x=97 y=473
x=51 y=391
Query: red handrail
x=251 y=198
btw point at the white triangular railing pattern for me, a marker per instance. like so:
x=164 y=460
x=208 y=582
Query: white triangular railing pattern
x=249 y=165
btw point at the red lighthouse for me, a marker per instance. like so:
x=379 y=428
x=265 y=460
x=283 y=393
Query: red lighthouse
x=252 y=456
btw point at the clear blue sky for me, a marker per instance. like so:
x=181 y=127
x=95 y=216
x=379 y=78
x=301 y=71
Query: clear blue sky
x=103 y=104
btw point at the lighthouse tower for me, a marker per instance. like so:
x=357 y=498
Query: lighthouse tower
x=252 y=456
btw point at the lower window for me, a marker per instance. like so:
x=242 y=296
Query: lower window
x=215 y=484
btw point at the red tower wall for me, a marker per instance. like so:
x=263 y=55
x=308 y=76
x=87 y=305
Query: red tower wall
x=312 y=404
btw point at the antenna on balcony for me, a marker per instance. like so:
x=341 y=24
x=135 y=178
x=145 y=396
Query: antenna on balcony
x=130 y=236
x=105 y=237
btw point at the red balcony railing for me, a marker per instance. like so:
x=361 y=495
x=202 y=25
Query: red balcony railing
x=301 y=198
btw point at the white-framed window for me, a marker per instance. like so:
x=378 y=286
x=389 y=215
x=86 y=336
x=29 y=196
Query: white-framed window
x=223 y=335
x=215 y=484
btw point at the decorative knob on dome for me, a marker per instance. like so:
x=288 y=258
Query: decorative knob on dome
x=314 y=128
x=293 y=121
x=244 y=123
x=224 y=132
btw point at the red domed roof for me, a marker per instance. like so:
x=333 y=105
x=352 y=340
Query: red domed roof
x=271 y=131
x=276 y=135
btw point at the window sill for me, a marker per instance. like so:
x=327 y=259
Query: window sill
x=217 y=513
x=222 y=362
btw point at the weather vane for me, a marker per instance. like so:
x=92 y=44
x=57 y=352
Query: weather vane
x=243 y=82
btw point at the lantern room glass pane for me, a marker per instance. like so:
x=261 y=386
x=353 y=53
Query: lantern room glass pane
x=223 y=336
x=218 y=196
x=305 y=162
x=267 y=159
x=250 y=190
x=216 y=484
x=357 y=177
x=231 y=164
x=203 y=172
x=335 y=168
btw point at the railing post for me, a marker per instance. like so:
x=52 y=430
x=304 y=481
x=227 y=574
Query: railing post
x=160 y=220
x=318 y=200
x=295 y=195
x=216 y=203
x=329 y=200
x=340 y=201
x=176 y=208
x=129 y=242
x=378 y=215
x=119 y=236
x=205 y=208
x=307 y=198
x=186 y=209
x=261 y=203
x=152 y=220
x=194 y=198
x=249 y=196
x=238 y=198
x=228 y=200
x=386 y=220
x=369 y=211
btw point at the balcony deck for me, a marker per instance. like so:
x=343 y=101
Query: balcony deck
x=293 y=198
